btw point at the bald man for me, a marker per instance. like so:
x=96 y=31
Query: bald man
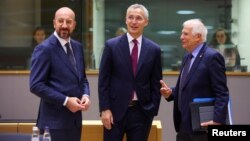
x=58 y=78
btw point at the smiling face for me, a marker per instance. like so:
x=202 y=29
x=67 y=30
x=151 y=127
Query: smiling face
x=188 y=40
x=64 y=22
x=136 y=21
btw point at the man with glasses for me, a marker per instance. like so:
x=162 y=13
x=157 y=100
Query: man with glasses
x=58 y=78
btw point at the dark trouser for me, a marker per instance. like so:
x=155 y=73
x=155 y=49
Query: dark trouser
x=135 y=124
x=71 y=134
x=202 y=136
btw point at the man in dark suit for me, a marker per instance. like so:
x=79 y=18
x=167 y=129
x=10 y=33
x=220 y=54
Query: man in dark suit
x=58 y=78
x=129 y=81
x=206 y=78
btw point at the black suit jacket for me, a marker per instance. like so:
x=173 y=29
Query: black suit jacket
x=206 y=78
x=116 y=79
x=52 y=78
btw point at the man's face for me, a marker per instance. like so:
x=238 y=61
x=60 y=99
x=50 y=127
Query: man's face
x=136 y=21
x=188 y=40
x=64 y=23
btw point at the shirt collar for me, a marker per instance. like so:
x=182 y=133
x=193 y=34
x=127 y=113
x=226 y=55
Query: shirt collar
x=197 y=50
x=130 y=38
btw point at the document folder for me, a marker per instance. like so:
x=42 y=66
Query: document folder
x=202 y=109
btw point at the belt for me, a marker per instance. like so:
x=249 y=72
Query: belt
x=133 y=103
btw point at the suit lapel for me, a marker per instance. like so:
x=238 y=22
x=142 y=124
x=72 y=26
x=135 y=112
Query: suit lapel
x=124 y=52
x=143 y=53
x=58 y=50
x=195 y=64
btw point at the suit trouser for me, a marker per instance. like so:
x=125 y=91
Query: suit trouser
x=135 y=124
x=71 y=134
x=202 y=136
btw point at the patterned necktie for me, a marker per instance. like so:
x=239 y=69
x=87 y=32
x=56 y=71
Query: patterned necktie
x=134 y=56
x=70 y=55
x=184 y=74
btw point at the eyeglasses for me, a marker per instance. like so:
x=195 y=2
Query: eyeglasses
x=67 y=21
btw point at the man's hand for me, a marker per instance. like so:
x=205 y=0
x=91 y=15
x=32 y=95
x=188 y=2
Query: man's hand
x=205 y=124
x=165 y=90
x=85 y=102
x=74 y=104
x=107 y=119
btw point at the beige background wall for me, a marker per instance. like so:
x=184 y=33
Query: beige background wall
x=16 y=102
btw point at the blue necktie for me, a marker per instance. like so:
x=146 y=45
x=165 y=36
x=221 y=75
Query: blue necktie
x=71 y=56
x=184 y=74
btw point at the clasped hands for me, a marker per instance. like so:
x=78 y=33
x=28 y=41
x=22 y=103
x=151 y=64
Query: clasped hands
x=75 y=104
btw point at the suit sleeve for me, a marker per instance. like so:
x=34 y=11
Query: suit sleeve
x=40 y=68
x=155 y=80
x=104 y=79
x=219 y=85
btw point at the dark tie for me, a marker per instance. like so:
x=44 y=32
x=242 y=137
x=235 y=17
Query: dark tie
x=134 y=58
x=184 y=74
x=70 y=55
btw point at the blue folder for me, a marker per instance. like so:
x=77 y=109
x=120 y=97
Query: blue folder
x=202 y=109
x=209 y=99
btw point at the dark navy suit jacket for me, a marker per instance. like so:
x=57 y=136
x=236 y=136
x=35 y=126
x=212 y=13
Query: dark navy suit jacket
x=116 y=79
x=206 y=78
x=52 y=78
